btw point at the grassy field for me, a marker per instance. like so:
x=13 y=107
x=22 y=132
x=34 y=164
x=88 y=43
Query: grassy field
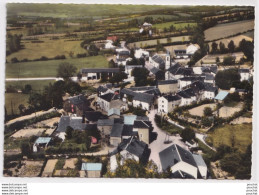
x=154 y=41
x=141 y=18
x=48 y=48
x=178 y=26
x=240 y=136
x=14 y=100
x=49 y=68
x=36 y=85
x=228 y=29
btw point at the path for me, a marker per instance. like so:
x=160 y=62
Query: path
x=33 y=79
x=202 y=137
x=158 y=145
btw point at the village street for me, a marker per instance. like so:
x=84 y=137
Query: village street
x=158 y=145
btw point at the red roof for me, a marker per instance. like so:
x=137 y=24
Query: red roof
x=113 y=38
x=94 y=140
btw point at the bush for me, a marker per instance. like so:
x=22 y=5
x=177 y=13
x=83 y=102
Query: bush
x=187 y=134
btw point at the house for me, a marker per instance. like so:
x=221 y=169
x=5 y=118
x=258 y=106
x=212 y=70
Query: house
x=211 y=69
x=141 y=53
x=185 y=51
x=123 y=56
x=116 y=134
x=77 y=123
x=130 y=148
x=244 y=74
x=93 y=116
x=185 y=81
x=105 y=127
x=167 y=86
x=180 y=161
x=187 y=97
x=41 y=143
x=77 y=105
x=157 y=61
x=192 y=48
x=112 y=38
x=209 y=78
x=91 y=170
x=114 y=113
x=143 y=100
x=176 y=72
x=129 y=68
x=97 y=73
x=167 y=103
x=210 y=91
x=103 y=89
x=104 y=101
x=202 y=167
x=143 y=128
x=109 y=45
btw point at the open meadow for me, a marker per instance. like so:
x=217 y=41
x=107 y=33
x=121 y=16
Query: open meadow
x=13 y=100
x=228 y=29
x=49 y=68
x=237 y=136
x=177 y=25
x=35 y=85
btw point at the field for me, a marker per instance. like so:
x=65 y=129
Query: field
x=228 y=29
x=141 y=18
x=36 y=85
x=235 y=39
x=48 y=48
x=154 y=41
x=14 y=100
x=240 y=136
x=198 y=111
x=178 y=26
x=49 y=68
x=49 y=168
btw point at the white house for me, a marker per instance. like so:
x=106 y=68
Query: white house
x=192 y=48
x=187 y=97
x=167 y=103
x=244 y=74
x=180 y=161
x=104 y=101
x=109 y=44
x=157 y=61
x=141 y=53
x=129 y=68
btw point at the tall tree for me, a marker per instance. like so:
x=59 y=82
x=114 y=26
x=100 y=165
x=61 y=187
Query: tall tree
x=231 y=46
x=66 y=71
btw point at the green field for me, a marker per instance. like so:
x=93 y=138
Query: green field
x=240 y=136
x=48 y=48
x=153 y=42
x=14 y=100
x=36 y=85
x=49 y=68
x=178 y=26
x=141 y=18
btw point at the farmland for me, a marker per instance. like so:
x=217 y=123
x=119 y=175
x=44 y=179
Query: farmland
x=14 y=100
x=238 y=136
x=154 y=41
x=224 y=30
x=36 y=85
x=178 y=26
x=49 y=68
x=48 y=48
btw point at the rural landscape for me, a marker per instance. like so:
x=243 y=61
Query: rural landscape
x=129 y=91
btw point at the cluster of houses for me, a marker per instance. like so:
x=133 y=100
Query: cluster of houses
x=130 y=135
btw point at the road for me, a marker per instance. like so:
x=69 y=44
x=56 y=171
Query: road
x=33 y=79
x=158 y=145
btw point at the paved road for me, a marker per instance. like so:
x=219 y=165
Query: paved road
x=33 y=79
x=158 y=145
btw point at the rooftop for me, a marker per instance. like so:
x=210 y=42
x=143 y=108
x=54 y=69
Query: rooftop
x=91 y=167
x=221 y=95
x=99 y=70
x=43 y=140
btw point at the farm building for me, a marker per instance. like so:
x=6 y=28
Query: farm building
x=41 y=143
x=98 y=73
x=221 y=96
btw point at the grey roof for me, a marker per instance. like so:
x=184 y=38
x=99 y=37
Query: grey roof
x=158 y=59
x=79 y=99
x=155 y=91
x=102 y=89
x=109 y=97
x=210 y=87
x=174 y=68
x=174 y=154
x=116 y=130
x=100 y=70
x=142 y=118
x=105 y=122
x=172 y=98
x=209 y=77
x=199 y=160
x=167 y=82
x=133 y=146
x=154 y=70
x=243 y=71
x=144 y=97
x=210 y=69
x=128 y=130
x=128 y=92
x=142 y=88
x=142 y=124
x=74 y=122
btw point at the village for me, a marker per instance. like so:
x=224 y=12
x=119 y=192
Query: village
x=160 y=113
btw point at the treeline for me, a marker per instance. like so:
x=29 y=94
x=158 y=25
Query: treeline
x=13 y=43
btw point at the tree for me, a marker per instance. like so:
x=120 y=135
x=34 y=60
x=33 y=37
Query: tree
x=206 y=122
x=229 y=60
x=69 y=132
x=27 y=89
x=21 y=108
x=93 y=50
x=207 y=111
x=231 y=46
x=66 y=70
x=222 y=48
x=26 y=149
x=214 y=48
x=217 y=60
x=187 y=134
x=72 y=88
x=112 y=64
x=225 y=78
x=36 y=101
x=140 y=76
x=118 y=77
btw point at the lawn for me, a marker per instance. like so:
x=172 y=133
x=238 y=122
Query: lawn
x=48 y=48
x=178 y=26
x=238 y=136
x=14 y=100
x=49 y=68
x=36 y=85
x=153 y=42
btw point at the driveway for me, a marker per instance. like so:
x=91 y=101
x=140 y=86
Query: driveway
x=158 y=145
